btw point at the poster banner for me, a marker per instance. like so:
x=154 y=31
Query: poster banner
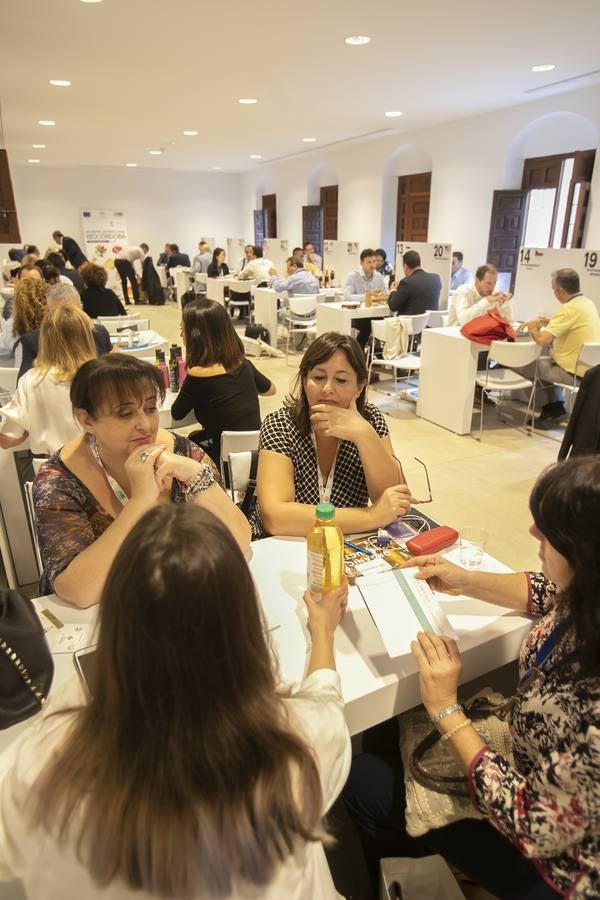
x=343 y=257
x=277 y=251
x=434 y=258
x=103 y=231
x=533 y=292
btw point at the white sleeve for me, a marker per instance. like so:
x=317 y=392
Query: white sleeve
x=15 y=414
x=464 y=312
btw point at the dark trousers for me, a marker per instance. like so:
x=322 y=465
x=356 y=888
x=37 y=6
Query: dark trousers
x=126 y=271
x=363 y=326
x=375 y=798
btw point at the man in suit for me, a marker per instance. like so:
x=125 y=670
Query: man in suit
x=418 y=291
x=176 y=258
x=71 y=250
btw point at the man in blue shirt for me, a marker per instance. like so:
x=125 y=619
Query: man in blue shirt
x=299 y=281
x=367 y=278
x=459 y=275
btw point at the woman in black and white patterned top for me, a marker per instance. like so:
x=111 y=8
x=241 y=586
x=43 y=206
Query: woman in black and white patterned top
x=328 y=445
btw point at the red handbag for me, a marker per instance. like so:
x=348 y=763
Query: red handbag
x=491 y=326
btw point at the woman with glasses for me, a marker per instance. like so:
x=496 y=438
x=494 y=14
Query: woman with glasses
x=537 y=836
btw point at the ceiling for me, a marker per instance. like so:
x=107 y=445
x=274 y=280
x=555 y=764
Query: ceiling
x=143 y=71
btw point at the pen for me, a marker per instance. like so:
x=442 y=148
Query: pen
x=357 y=548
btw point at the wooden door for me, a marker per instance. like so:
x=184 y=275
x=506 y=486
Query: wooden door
x=312 y=227
x=269 y=205
x=509 y=209
x=574 y=235
x=542 y=172
x=259 y=227
x=412 y=217
x=9 y=225
x=329 y=202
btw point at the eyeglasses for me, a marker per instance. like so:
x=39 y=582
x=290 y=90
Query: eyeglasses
x=420 y=502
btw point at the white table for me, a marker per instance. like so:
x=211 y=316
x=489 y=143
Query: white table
x=374 y=685
x=265 y=307
x=215 y=288
x=165 y=418
x=447 y=378
x=149 y=342
x=183 y=278
x=336 y=317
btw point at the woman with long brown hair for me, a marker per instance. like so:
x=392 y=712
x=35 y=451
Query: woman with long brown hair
x=41 y=406
x=222 y=386
x=189 y=773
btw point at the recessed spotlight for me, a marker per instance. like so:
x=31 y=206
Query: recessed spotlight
x=190 y=133
x=39 y=146
x=131 y=165
x=247 y=101
x=60 y=82
x=546 y=67
x=309 y=140
x=91 y=1
x=356 y=39
x=46 y=122
x=217 y=168
x=33 y=160
x=155 y=152
x=255 y=156
x=393 y=113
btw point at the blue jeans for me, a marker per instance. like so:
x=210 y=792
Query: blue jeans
x=375 y=798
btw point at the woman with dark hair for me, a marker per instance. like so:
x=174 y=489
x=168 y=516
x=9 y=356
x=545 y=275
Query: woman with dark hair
x=188 y=772
x=221 y=386
x=328 y=445
x=538 y=833
x=383 y=266
x=97 y=299
x=218 y=267
x=90 y=494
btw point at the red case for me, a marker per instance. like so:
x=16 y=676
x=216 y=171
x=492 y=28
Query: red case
x=431 y=541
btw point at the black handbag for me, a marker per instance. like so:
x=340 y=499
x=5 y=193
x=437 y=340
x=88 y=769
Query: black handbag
x=258 y=333
x=26 y=665
x=249 y=502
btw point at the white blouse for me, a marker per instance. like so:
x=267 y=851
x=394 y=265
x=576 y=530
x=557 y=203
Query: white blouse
x=32 y=855
x=41 y=407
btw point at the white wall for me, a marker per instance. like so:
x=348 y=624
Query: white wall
x=159 y=206
x=469 y=160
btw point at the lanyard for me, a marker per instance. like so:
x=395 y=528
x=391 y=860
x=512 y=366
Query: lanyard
x=325 y=489
x=116 y=487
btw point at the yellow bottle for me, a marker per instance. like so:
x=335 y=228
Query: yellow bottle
x=325 y=544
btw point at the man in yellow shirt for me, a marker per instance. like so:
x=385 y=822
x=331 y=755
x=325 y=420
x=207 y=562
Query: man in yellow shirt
x=576 y=323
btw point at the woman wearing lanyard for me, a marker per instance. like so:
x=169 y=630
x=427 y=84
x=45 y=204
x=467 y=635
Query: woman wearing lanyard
x=539 y=837
x=328 y=445
x=91 y=493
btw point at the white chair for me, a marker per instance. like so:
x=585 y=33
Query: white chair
x=438 y=318
x=301 y=318
x=235 y=442
x=240 y=287
x=239 y=472
x=408 y=363
x=589 y=355
x=509 y=354
x=115 y=324
x=31 y=519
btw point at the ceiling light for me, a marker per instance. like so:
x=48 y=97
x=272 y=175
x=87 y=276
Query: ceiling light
x=546 y=67
x=39 y=146
x=190 y=133
x=131 y=165
x=33 y=160
x=356 y=39
x=393 y=114
x=60 y=82
x=217 y=168
x=255 y=156
x=155 y=152
x=247 y=101
x=309 y=140
x=46 y=122
x=91 y=1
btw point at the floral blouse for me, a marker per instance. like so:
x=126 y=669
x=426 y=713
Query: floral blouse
x=68 y=517
x=548 y=803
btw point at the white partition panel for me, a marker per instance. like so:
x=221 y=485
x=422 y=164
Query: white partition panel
x=533 y=291
x=343 y=257
x=235 y=253
x=277 y=251
x=434 y=258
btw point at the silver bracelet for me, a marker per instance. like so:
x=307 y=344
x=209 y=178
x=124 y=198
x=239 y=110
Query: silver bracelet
x=456 y=707
x=199 y=483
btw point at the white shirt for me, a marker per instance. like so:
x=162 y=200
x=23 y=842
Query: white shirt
x=7 y=338
x=132 y=253
x=43 y=408
x=467 y=303
x=257 y=269
x=48 y=873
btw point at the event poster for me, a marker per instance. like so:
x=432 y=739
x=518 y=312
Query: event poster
x=533 y=288
x=104 y=231
x=434 y=258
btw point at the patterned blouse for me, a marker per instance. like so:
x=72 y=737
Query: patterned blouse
x=68 y=517
x=548 y=803
x=280 y=434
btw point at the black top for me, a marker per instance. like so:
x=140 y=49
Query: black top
x=178 y=259
x=416 y=293
x=72 y=252
x=227 y=402
x=215 y=271
x=101 y=301
x=75 y=278
x=30 y=343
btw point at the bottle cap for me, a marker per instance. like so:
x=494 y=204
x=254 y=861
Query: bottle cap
x=325 y=511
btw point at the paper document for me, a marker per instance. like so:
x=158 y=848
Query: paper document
x=400 y=606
